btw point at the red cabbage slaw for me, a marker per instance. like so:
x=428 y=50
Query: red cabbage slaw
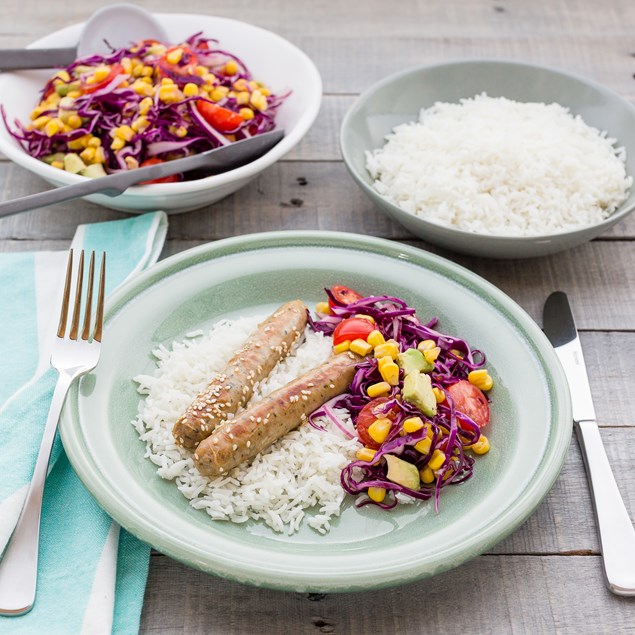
x=452 y=431
x=117 y=104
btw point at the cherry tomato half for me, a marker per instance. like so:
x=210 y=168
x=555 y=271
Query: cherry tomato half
x=367 y=417
x=173 y=178
x=343 y=295
x=186 y=67
x=471 y=401
x=115 y=69
x=219 y=118
x=352 y=329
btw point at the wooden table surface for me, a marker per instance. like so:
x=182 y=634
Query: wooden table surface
x=547 y=576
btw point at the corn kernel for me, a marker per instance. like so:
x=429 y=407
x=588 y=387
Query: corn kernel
x=167 y=81
x=365 y=454
x=58 y=164
x=201 y=71
x=390 y=373
x=378 y=389
x=217 y=94
x=126 y=64
x=100 y=155
x=383 y=361
x=242 y=99
x=63 y=75
x=436 y=460
x=379 y=429
x=117 y=144
x=241 y=84
x=231 y=68
x=377 y=494
x=389 y=349
x=375 y=338
x=169 y=94
x=147 y=71
x=322 y=307
x=439 y=395
x=80 y=143
x=181 y=131
x=447 y=474
x=174 y=56
x=481 y=379
x=140 y=124
x=412 y=424
x=363 y=316
x=259 y=102
x=481 y=446
x=87 y=154
x=74 y=121
x=144 y=105
x=73 y=94
x=342 y=347
x=52 y=127
x=456 y=353
x=362 y=347
x=143 y=89
x=423 y=446
x=100 y=74
x=132 y=163
x=37 y=111
x=265 y=91
x=147 y=80
x=426 y=345
x=136 y=69
x=40 y=122
x=427 y=475
x=124 y=132
x=430 y=433
x=431 y=354
x=190 y=90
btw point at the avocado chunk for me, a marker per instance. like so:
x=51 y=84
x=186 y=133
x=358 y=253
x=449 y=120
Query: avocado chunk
x=402 y=472
x=417 y=390
x=51 y=158
x=73 y=163
x=94 y=171
x=411 y=360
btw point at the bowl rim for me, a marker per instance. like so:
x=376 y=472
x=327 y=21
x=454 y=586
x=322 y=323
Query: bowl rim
x=494 y=238
x=313 y=81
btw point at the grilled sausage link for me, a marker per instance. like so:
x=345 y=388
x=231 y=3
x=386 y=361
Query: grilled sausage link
x=233 y=387
x=255 y=429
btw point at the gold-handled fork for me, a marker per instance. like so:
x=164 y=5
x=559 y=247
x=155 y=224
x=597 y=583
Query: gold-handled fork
x=74 y=353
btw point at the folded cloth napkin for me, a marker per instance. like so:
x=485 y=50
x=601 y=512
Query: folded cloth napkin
x=91 y=574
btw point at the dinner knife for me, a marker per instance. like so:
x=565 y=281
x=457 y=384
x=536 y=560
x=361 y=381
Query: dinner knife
x=616 y=532
x=217 y=160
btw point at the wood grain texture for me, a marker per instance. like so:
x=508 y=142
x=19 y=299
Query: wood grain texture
x=546 y=577
x=490 y=594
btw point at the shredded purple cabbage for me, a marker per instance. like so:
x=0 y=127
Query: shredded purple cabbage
x=452 y=430
x=114 y=105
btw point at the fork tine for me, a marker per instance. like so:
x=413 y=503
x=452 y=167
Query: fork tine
x=89 y=297
x=61 y=329
x=78 y=297
x=99 y=319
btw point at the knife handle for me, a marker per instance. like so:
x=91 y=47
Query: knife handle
x=617 y=535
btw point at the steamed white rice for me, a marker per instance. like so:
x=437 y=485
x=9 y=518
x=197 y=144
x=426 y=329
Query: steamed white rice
x=500 y=167
x=300 y=472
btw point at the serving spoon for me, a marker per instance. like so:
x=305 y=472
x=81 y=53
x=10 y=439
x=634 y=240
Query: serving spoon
x=217 y=160
x=113 y=26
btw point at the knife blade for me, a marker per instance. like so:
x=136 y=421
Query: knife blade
x=616 y=532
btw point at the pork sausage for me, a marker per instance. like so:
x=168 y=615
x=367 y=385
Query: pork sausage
x=255 y=429
x=233 y=387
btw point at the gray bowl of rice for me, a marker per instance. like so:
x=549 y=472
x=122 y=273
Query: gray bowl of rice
x=493 y=158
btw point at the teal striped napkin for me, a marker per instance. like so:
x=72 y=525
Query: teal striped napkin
x=91 y=575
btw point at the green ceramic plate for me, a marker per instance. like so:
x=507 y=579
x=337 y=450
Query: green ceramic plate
x=366 y=548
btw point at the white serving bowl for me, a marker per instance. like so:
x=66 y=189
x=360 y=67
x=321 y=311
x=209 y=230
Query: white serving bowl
x=270 y=58
x=399 y=98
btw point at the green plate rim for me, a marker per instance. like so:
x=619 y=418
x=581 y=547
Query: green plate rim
x=381 y=576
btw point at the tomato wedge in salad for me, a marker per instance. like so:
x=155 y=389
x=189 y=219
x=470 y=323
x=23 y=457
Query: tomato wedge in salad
x=221 y=119
x=343 y=295
x=115 y=69
x=173 y=178
x=352 y=329
x=367 y=417
x=471 y=401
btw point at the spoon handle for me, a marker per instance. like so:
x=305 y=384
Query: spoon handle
x=20 y=59
x=217 y=160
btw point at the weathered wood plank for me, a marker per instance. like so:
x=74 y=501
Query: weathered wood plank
x=288 y=195
x=491 y=594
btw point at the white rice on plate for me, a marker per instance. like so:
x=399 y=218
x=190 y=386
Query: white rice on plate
x=499 y=167
x=301 y=471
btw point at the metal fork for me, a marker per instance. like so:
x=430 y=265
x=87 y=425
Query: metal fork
x=73 y=354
